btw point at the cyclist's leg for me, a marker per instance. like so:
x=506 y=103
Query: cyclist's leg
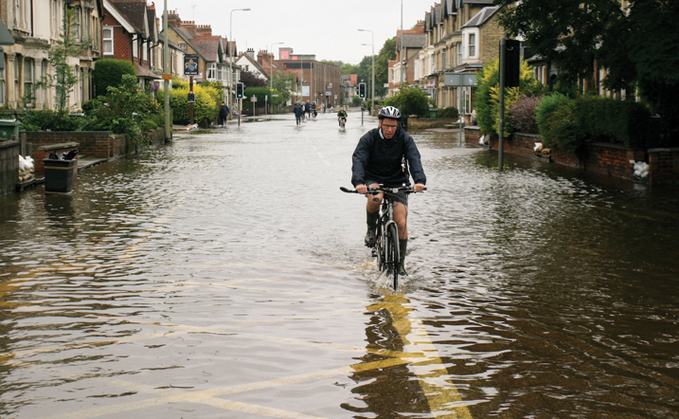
x=401 y=216
x=372 y=214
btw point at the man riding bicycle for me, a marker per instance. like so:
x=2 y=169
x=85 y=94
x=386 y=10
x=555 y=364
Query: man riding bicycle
x=387 y=155
x=342 y=116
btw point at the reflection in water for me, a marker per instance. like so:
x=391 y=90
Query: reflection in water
x=224 y=276
x=402 y=373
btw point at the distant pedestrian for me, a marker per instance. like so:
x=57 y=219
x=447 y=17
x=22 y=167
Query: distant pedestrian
x=298 y=110
x=307 y=109
x=223 y=113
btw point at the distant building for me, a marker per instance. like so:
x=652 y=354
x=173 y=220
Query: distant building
x=462 y=36
x=402 y=70
x=319 y=81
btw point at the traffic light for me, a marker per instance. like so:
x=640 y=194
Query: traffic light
x=512 y=63
x=240 y=90
x=361 y=90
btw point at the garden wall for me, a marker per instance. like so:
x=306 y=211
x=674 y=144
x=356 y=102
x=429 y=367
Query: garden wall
x=424 y=123
x=91 y=143
x=603 y=158
x=9 y=166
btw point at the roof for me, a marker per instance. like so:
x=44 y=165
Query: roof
x=145 y=72
x=482 y=17
x=208 y=48
x=135 y=14
x=414 y=41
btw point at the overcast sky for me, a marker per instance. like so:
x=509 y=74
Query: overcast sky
x=326 y=28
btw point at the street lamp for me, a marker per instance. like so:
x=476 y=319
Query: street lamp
x=231 y=50
x=372 y=36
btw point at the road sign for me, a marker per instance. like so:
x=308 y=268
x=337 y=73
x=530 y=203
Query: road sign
x=190 y=65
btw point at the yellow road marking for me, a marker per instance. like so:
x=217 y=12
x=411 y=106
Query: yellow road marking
x=417 y=344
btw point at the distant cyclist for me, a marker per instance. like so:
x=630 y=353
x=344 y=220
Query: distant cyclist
x=342 y=116
x=387 y=155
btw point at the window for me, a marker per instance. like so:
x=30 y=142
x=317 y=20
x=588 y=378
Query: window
x=19 y=14
x=2 y=86
x=211 y=73
x=472 y=45
x=55 y=18
x=458 y=46
x=444 y=59
x=135 y=46
x=77 y=30
x=108 y=41
x=43 y=75
x=182 y=46
x=29 y=68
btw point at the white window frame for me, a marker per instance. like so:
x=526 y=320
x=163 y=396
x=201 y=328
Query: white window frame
x=459 y=53
x=77 y=22
x=109 y=39
x=55 y=18
x=211 y=71
x=135 y=46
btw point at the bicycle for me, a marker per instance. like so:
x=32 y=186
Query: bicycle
x=342 y=122
x=386 y=248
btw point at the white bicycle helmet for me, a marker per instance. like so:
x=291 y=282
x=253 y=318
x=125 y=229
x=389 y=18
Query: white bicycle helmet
x=390 y=112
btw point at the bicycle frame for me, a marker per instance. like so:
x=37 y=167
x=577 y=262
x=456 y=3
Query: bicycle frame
x=387 y=248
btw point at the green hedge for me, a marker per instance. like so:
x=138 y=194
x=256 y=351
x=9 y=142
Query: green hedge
x=109 y=72
x=613 y=121
x=570 y=124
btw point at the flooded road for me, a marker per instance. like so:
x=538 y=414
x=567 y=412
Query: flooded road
x=224 y=276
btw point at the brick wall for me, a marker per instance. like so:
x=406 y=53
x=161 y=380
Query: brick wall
x=92 y=143
x=9 y=166
x=603 y=158
x=664 y=166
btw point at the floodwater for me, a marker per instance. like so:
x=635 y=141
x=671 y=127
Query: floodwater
x=224 y=276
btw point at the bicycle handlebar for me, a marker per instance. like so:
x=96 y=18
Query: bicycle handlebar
x=374 y=191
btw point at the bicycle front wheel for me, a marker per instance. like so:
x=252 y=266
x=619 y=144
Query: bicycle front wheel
x=392 y=253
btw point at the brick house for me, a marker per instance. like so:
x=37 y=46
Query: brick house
x=212 y=50
x=130 y=32
x=403 y=68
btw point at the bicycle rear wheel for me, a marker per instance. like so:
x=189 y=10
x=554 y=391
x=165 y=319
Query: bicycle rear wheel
x=392 y=251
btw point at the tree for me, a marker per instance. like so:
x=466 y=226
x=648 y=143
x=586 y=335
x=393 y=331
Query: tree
x=283 y=83
x=65 y=47
x=347 y=68
x=410 y=100
x=636 y=46
x=249 y=79
x=387 y=53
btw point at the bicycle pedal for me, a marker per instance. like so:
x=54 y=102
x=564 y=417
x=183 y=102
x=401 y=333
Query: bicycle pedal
x=374 y=252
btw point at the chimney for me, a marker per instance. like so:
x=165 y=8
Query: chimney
x=204 y=30
x=173 y=19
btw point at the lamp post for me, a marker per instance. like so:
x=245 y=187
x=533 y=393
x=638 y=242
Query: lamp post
x=167 y=76
x=372 y=44
x=401 y=49
x=271 y=75
x=231 y=51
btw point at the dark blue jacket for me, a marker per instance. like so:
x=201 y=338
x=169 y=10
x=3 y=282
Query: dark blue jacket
x=387 y=161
